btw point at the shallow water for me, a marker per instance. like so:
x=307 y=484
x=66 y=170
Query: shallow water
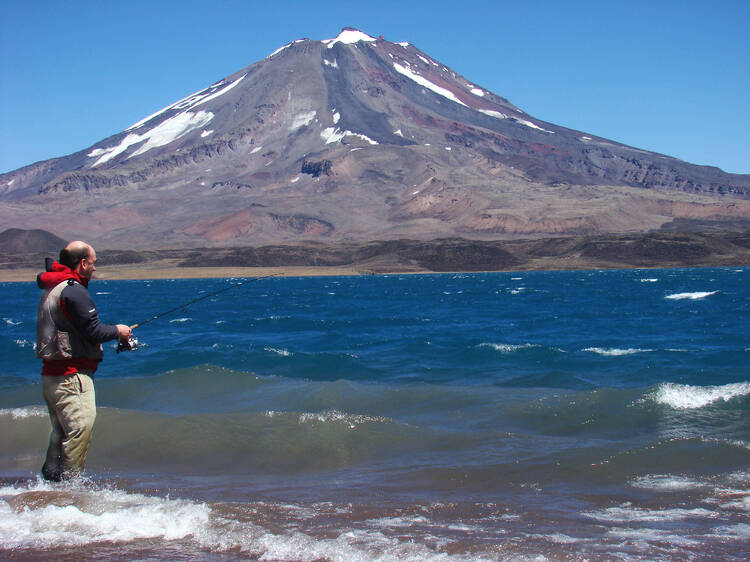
x=572 y=415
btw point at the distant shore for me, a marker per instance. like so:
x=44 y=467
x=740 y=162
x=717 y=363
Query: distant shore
x=623 y=251
x=143 y=272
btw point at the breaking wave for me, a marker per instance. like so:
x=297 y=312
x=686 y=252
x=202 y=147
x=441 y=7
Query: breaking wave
x=686 y=397
x=691 y=296
x=616 y=352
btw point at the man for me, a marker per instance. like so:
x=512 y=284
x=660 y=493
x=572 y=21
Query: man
x=68 y=340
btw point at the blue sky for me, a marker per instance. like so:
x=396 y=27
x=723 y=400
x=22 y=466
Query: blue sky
x=664 y=75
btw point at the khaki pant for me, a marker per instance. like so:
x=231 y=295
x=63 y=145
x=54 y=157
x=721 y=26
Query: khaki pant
x=72 y=410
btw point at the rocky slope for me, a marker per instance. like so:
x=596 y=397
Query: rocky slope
x=358 y=139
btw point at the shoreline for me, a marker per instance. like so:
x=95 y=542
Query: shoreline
x=144 y=273
x=626 y=252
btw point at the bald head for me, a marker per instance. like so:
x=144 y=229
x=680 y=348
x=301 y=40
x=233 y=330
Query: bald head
x=72 y=254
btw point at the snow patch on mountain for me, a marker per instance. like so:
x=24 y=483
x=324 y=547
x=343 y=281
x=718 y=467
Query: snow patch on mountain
x=499 y=115
x=427 y=84
x=277 y=51
x=334 y=134
x=495 y=114
x=349 y=37
x=193 y=100
x=302 y=119
x=164 y=133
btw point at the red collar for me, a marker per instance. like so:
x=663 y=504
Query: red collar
x=57 y=274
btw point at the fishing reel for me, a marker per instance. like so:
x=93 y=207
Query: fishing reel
x=130 y=345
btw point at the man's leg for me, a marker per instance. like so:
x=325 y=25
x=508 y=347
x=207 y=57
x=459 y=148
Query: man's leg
x=52 y=468
x=74 y=404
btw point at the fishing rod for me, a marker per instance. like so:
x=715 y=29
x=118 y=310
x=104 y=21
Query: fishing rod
x=132 y=342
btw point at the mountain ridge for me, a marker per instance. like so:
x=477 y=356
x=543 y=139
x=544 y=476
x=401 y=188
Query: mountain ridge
x=358 y=138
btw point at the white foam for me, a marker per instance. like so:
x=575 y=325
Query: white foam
x=25 y=343
x=180 y=320
x=666 y=483
x=508 y=348
x=692 y=296
x=686 y=397
x=616 y=352
x=650 y=280
x=335 y=416
x=278 y=351
x=25 y=412
x=111 y=516
x=427 y=84
x=627 y=513
x=93 y=516
x=11 y=322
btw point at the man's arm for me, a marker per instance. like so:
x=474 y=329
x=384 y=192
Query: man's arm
x=81 y=311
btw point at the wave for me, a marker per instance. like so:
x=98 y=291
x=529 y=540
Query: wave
x=62 y=519
x=25 y=343
x=43 y=515
x=649 y=280
x=180 y=320
x=509 y=348
x=25 y=412
x=667 y=483
x=11 y=322
x=691 y=296
x=686 y=397
x=282 y=352
x=616 y=352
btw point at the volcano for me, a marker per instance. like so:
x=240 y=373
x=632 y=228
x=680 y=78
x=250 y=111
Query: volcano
x=355 y=139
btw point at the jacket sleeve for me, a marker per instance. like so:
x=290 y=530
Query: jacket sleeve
x=81 y=311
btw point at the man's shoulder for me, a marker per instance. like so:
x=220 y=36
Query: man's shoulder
x=74 y=290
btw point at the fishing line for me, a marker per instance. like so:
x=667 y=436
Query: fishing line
x=132 y=342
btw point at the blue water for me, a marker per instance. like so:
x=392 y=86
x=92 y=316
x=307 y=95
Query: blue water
x=578 y=414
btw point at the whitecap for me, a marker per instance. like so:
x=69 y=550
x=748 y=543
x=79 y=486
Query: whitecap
x=25 y=412
x=11 y=322
x=180 y=320
x=279 y=351
x=627 y=513
x=649 y=280
x=691 y=296
x=25 y=343
x=508 y=348
x=666 y=483
x=91 y=515
x=335 y=416
x=686 y=397
x=616 y=352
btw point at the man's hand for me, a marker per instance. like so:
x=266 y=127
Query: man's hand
x=123 y=332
